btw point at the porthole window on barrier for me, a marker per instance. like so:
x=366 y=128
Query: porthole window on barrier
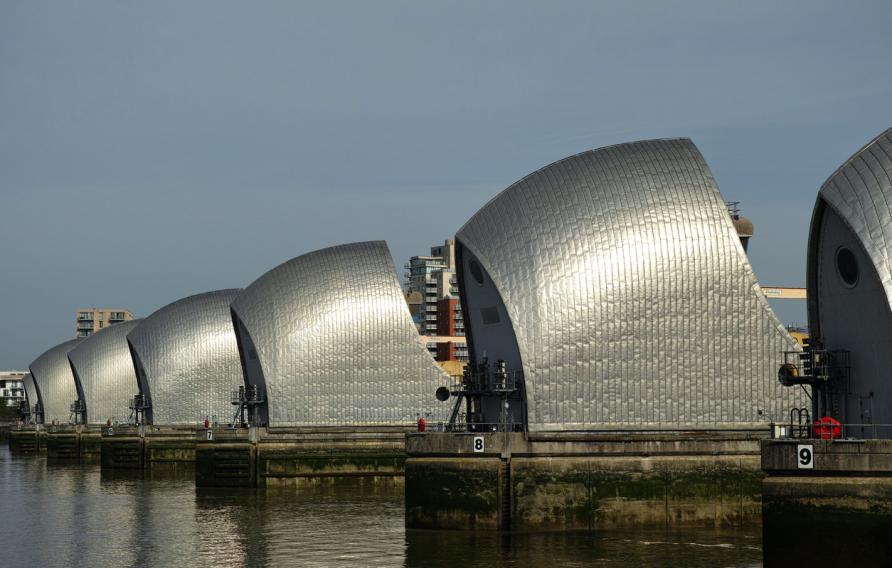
x=847 y=266
x=476 y=271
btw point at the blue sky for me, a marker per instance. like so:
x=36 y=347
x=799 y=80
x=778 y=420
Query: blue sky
x=153 y=150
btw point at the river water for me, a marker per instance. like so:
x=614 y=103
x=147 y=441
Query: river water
x=55 y=515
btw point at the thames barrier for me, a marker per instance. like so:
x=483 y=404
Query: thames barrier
x=625 y=368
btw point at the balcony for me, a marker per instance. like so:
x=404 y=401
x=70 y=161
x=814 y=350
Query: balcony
x=85 y=325
x=116 y=317
x=85 y=316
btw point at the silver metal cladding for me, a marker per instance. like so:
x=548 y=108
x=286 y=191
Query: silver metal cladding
x=631 y=298
x=849 y=280
x=55 y=381
x=189 y=357
x=104 y=368
x=860 y=193
x=31 y=395
x=330 y=337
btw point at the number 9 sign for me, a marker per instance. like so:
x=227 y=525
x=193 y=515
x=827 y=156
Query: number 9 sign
x=805 y=456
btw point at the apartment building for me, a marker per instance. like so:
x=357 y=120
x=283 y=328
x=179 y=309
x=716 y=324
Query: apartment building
x=12 y=390
x=91 y=320
x=432 y=280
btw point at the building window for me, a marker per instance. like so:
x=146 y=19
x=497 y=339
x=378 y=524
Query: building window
x=87 y=316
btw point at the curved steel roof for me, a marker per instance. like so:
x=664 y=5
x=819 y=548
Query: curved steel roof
x=860 y=192
x=188 y=358
x=32 y=397
x=104 y=370
x=335 y=341
x=55 y=381
x=630 y=295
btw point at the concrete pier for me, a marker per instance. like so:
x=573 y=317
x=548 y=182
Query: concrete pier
x=827 y=491
x=150 y=448
x=569 y=481
x=27 y=440
x=70 y=443
x=840 y=475
x=260 y=457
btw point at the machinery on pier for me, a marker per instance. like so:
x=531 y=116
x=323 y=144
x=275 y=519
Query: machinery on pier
x=139 y=407
x=481 y=386
x=249 y=401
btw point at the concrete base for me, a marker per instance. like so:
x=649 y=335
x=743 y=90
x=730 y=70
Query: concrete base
x=25 y=441
x=569 y=481
x=148 y=448
x=70 y=443
x=837 y=475
x=844 y=497
x=298 y=456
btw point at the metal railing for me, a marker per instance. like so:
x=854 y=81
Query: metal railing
x=825 y=431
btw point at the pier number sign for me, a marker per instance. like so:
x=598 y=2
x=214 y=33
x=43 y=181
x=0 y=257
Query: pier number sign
x=805 y=456
x=478 y=444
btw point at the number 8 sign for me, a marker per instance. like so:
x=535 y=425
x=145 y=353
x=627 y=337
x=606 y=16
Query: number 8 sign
x=478 y=444
x=805 y=456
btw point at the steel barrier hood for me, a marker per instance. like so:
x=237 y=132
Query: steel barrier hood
x=186 y=360
x=328 y=339
x=55 y=382
x=104 y=373
x=615 y=281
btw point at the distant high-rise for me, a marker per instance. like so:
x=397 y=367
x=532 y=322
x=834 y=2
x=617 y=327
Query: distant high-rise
x=12 y=389
x=91 y=320
x=433 y=278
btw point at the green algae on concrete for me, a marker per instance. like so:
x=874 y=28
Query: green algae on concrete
x=592 y=492
x=453 y=493
x=591 y=480
x=26 y=441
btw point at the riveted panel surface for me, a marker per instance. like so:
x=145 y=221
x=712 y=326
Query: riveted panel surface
x=336 y=342
x=632 y=300
x=52 y=373
x=860 y=192
x=31 y=395
x=103 y=365
x=190 y=359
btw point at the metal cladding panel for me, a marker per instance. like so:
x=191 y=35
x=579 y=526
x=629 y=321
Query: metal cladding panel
x=336 y=341
x=860 y=192
x=630 y=295
x=31 y=395
x=52 y=373
x=190 y=358
x=104 y=367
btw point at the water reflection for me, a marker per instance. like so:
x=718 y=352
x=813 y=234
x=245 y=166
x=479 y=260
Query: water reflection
x=613 y=548
x=75 y=516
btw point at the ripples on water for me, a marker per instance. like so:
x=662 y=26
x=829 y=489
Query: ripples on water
x=73 y=516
